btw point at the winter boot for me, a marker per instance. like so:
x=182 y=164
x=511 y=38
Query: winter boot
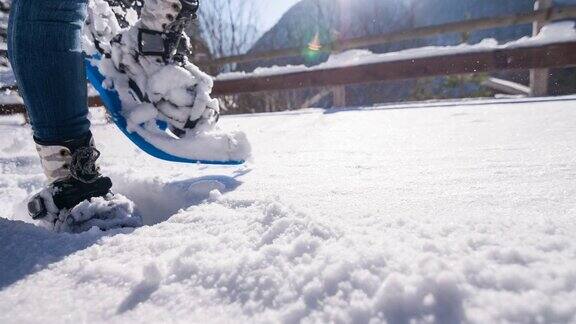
x=70 y=167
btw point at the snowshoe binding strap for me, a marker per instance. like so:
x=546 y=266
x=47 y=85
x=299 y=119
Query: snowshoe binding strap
x=168 y=43
x=37 y=208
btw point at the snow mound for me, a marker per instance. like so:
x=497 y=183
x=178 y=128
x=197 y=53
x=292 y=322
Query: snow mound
x=102 y=213
x=266 y=261
x=157 y=200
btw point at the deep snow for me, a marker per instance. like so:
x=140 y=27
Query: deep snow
x=447 y=213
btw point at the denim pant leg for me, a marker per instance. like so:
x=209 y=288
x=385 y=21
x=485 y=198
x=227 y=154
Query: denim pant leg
x=45 y=50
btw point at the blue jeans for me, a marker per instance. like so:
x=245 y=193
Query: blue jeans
x=45 y=50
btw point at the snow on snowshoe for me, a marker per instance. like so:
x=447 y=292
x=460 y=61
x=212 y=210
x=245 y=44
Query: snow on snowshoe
x=157 y=97
x=78 y=197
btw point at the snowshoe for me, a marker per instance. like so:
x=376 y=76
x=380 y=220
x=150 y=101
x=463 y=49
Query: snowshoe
x=78 y=197
x=157 y=97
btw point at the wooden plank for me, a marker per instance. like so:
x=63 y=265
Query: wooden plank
x=11 y=87
x=506 y=87
x=548 y=56
x=339 y=94
x=17 y=108
x=11 y=109
x=557 y=13
x=95 y=101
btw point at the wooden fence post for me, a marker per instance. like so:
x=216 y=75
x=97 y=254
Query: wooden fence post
x=339 y=93
x=539 y=77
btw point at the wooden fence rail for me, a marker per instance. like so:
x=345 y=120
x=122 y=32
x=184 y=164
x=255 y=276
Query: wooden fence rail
x=18 y=108
x=542 y=56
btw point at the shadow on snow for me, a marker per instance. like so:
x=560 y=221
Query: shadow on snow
x=26 y=249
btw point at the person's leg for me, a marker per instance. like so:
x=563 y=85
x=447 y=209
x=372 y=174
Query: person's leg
x=45 y=50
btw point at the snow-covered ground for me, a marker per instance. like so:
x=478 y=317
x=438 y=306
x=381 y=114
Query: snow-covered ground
x=439 y=213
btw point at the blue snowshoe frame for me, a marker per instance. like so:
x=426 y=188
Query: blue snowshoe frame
x=113 y=105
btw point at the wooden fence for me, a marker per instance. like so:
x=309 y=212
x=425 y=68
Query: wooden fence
x=539 y=56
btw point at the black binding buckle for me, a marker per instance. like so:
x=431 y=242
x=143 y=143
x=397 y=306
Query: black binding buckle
x=37 y=208
x=152 y=43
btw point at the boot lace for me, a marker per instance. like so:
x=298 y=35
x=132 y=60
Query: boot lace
x=83 y=166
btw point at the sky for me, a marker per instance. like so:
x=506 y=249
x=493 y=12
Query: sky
x=272 y=10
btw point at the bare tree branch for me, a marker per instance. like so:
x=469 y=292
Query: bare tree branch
x=230 y=26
